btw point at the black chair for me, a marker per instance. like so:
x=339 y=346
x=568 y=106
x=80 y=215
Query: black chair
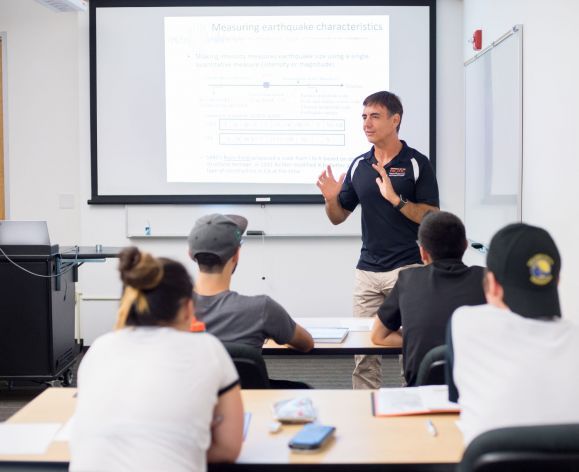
x=549 y=448
x=431 y=370
x=249 y=364
x=253 y=371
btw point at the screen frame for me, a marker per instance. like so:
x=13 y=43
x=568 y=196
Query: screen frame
x=97 y=199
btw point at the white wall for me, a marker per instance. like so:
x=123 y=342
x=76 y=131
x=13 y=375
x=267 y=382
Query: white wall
x=42 y=134
x=450 y=107
x=48 y=118
x=550 y=120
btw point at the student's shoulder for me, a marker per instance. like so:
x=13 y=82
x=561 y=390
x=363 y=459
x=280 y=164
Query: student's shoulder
x=469 y=317
x=475 y=269
x=241 y=299
x=412 y=275
x=263 y=304
x=110 y=338
x=115 y=342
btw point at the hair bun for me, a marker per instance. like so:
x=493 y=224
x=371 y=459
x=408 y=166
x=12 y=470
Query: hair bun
x=139 y=270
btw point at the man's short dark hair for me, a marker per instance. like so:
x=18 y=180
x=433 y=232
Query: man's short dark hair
x=388 y=100
x=442 y=235
x=209 y=263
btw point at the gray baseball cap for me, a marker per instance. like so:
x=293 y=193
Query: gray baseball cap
x=217 y=234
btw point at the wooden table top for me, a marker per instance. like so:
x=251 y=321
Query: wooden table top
x=360 y=438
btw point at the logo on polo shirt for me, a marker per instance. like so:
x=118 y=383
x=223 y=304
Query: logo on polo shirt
x=540 y=268
x=396 y=172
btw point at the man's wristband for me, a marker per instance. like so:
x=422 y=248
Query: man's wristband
x=401 y=203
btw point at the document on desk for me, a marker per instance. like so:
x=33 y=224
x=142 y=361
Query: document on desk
x=329 y=335
x=353 y=324
x=63 y=434
x=246 y=421
x=413 y=401
x=26 y=438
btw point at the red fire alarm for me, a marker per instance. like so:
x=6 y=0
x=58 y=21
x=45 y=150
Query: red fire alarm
x=477 y=40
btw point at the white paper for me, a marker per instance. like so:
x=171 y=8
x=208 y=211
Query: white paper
x=411 y=400
x=328 y=334
x=64 y=432
x=246 y=421
x=26 y=438
x=353 y=324
x=435 y=397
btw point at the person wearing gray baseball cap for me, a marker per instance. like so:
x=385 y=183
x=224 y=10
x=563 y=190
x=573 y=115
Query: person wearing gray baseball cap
x=215 y=243
x=218 y=235
x=513 y=360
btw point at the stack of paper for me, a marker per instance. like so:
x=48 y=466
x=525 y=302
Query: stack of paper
x=328 y=335
x=413 y=401
x=353 y=324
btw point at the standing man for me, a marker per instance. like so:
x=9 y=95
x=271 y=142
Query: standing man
x=396 y=186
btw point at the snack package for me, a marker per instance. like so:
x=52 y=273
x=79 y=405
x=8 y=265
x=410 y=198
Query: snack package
x=295 y=410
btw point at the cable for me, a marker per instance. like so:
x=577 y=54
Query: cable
x=73 y=265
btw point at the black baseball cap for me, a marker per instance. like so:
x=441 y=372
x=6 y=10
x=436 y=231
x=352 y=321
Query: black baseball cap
x=526 y=262
x=217 y=234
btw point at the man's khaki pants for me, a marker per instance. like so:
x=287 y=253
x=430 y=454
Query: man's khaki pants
x=370 y=290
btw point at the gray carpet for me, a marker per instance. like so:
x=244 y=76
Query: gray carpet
x=328 y=372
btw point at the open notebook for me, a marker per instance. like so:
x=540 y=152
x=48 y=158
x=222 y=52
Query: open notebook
x=413 y=401
x=329 y=335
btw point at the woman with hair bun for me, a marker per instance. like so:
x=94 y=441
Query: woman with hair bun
x=152 y=395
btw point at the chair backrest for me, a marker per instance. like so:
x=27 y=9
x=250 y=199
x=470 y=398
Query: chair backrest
x=524 y=448
x=249 y=364
x=431 y=370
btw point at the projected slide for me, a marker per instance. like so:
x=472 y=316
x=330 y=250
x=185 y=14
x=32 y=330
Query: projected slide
x=269 y=99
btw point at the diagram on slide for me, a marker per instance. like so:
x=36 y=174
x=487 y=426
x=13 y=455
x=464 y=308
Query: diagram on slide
x=269 y=99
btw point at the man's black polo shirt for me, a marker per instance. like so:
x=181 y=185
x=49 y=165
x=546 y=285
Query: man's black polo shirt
x=388 y=237
x=422 y=302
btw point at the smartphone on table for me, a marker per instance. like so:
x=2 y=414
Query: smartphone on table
x=311 y=437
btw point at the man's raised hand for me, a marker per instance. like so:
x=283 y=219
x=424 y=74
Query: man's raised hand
x=385 y=186
x=328 y=185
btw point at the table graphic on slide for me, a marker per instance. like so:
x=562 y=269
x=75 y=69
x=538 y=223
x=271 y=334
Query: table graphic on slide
x=269 y=99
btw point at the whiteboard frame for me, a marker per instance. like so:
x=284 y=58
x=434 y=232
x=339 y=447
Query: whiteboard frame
x=489 y=198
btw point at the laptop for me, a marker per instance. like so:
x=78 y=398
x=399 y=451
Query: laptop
x=25 y=238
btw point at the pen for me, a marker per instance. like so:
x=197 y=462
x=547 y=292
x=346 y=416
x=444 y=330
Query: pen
x=431 y=428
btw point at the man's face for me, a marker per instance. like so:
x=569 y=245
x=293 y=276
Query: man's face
x=378 y=125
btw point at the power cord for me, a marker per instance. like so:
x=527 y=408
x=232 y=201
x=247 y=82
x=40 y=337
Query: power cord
x=73 y=264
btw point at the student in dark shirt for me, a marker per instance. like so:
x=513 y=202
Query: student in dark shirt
x=416 y=312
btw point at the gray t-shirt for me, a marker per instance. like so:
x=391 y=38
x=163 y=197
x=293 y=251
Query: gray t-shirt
x=249 y=320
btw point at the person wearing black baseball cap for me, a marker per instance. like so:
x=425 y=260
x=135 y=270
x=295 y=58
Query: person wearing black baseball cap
x=215 y=243
x=513 y=360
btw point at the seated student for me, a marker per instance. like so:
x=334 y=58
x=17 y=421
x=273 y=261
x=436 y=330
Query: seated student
x=214 y=243
x=515 y=359
x=416 y=312
x=151 y=395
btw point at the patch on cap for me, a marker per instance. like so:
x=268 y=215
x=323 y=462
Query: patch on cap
x=540 y=268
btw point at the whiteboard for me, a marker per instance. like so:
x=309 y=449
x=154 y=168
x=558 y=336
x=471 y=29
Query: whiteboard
x=493 y=138
x=176 y=221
